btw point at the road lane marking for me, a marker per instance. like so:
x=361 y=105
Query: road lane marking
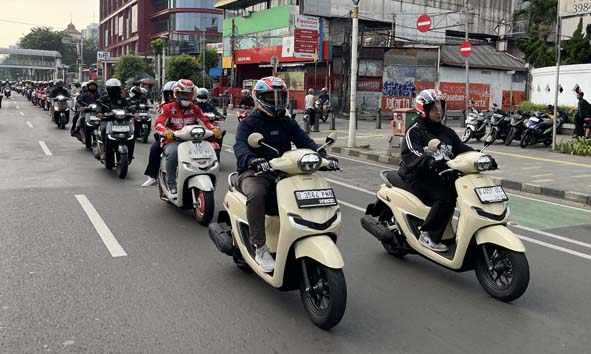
x=542 y=180
x=45 y=148
x=101 y=228
x=581 y=176
x=544 y=175
x=541 y=159
x=17 y=107
x=547 y=234
x=351 y=187
x=531 y=168
x=352 y=206
x=547 y=202
x=30 y=125
x=22 y=114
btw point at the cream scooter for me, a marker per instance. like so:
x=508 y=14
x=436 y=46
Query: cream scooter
x=481 y=240
x=302 y=237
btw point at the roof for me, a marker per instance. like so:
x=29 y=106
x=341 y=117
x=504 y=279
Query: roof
x=482 y=56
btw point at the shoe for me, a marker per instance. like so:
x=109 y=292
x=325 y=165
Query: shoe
x=172 y=189
x=149 y=182
x=264 y=259
x=425 y=240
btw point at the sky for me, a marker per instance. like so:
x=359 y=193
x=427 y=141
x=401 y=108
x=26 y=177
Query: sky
x=51 y=13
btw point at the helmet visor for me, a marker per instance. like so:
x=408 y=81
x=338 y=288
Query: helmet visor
x=277 y=98
x=184 y=96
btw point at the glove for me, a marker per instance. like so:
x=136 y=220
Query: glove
x=494 y=164
x=168 y=135
x=217 y=133
x=437 y=166
x=333 y=163
x=259 y=165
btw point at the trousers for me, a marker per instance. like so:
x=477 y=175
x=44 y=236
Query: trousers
x=261 y=199
x=172 y=159
x=154 y=160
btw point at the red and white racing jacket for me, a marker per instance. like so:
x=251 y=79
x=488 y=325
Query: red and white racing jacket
x=175 y=117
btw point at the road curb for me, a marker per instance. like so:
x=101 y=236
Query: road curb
x=508 y=184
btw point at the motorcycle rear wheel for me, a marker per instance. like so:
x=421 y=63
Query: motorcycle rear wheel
x=510 y=136
x=509 y=277
x=326 y=299
x=525 y=140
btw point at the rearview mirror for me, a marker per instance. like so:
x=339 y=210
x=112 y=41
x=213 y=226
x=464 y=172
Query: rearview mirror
x=434 y=144
x=331 y=138
x=254 y=140
x=488 y=141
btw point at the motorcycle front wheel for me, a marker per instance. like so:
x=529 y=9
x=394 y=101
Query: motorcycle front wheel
x=122 y=165
x=525 y=139
x=145 y=135
x=204 y=207
x=326 y=298
x=468 y=133
x=509 y=277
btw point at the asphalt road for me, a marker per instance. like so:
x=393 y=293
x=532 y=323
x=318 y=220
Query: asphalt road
x=62 y=291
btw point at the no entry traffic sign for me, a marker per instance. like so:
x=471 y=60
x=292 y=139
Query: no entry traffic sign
x=466 y=49
x=424 y=23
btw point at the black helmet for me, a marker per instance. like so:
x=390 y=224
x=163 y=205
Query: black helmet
x=92 y=83
x=77 y=85
x=135 y=91
x=59 y=83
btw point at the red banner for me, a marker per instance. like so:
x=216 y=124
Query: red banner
x=305 y=43
x=518 y=96
x=455 y=95
x=262 y=55
x=369 y=84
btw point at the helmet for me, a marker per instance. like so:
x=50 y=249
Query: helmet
x=270 y=94
x=324 y=90
x=426 y=99
x=50 y=83
x=77 y=85
x=84 y=86
x=167 y=89
x=202 y=95
x=310 y=91
x=92 y=83
x=113 y=87
x=245 y=92
x=135 y=91
x=184 y=92
x=59 y=83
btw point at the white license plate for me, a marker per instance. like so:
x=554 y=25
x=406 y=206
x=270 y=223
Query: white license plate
x=200 y=152
x=488 y=195
x=120 y=128
x=315 y=198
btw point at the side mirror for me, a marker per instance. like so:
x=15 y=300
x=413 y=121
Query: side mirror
x=488 y=141
x=331 y=138
x=254 y=140
x=434 y=144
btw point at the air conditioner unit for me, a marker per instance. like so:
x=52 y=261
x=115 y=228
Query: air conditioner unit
x=247 y=13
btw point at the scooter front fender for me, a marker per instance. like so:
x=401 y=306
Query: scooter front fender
x=500 y=235
x=201 y=182
x=122 y=148
x=320 y=248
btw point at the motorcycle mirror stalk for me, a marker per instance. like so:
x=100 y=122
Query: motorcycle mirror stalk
x=255 y=141
x=330 y=139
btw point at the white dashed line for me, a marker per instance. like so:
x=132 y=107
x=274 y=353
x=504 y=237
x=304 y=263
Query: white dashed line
x=45 y=148
x=531 y=168
x=542 y=180
x=22 y=114
x=581 y=176
x=30 y=125
x=544 y=175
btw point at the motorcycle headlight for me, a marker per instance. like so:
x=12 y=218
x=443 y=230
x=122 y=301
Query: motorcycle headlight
x=310 y=162
x=197 y=132
x=484 y=163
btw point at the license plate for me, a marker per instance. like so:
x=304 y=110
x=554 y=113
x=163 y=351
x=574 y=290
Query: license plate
x=488 y=195
x=200 y=152
x=315 y=198
x=120 y=128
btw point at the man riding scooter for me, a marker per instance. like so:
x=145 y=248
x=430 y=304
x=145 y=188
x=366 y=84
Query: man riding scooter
x=420 y=167
x=268 y=119
x=175 y=116
x=89 y=96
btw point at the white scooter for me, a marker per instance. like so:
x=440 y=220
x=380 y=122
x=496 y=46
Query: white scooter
x=302 y=237
x=481 y=240
x=196 y=176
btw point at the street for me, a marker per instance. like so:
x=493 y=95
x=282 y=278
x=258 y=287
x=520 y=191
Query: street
x=140 y=276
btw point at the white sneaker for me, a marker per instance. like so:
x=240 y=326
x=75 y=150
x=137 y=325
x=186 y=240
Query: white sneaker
x=425 y=240
x=150 y=182
x=264 y=259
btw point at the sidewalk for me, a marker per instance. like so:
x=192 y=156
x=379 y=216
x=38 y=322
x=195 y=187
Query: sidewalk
x=536 y=169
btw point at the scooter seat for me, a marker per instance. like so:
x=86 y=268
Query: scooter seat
x=397 y=181
x=233 y=178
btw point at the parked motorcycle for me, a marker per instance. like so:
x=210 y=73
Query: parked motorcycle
x=323 y=109
x=538 y=128
x=143 y=122
x=481 y=240
x=476 y=123
x=517 y=127
x=302 y=237
x=118 y=143
x=499 y=125
x=60 y=111
x=197 y=173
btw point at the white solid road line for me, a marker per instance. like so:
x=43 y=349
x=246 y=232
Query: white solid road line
x=352 y=206
x=581 y=176
x=531 y=168
x=547 y=234
x=22 y=114
x=350 y=186
x=547 y=202
x=103 y=230
x=558 y=248
x=542 y=180
x=45 y=148
x=30 y=125
x=17 y=107
x=544 y=175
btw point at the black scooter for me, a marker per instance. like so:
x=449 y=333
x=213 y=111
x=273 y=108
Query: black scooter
x=60 y=111
x=518 y=120
x=500 y=123
x=118 y=142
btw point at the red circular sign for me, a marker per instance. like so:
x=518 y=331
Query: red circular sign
x=424 y=23
x=466 y=49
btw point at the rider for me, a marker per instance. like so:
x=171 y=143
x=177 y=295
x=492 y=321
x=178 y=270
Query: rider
x=136 y=97
x=59 y=89
x=111 y=99
x=175 y=116
x=202 y=101
x=77 y=90
x=247 y=101
x=89 y=96
x=309 y=106
x=420 y=167
x=156 y=148
x=268 y=118
x=323 y=97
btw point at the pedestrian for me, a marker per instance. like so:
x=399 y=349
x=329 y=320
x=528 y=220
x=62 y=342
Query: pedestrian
x=583 y=112
x=309 y=107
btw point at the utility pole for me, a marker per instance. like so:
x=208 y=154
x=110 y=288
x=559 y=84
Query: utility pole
x=353 y=101
x=463 y=122
x=203 y=45
x=232 y=43
x=393 y=35
x=81 y=70
x=557 y=86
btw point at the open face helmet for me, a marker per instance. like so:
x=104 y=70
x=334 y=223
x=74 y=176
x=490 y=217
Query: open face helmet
x=427 y=99
x=270 y=95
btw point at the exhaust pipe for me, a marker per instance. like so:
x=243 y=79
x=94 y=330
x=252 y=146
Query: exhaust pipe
x=378 y=230
x=221 y=237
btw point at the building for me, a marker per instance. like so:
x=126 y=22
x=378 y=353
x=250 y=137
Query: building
x=91 y=32
x=128 y=26
x=72 y=31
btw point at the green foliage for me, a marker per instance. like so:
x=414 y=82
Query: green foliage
x=90 y=49
x=581 y=147
x=43 y=38
x=528 y=106
x=182 y=67
x=157 y=46
x=211 y=58
x=128 y=67
x=540 y=20
x=577 y=50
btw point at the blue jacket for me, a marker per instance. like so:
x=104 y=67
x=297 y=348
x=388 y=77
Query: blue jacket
x=279 y=133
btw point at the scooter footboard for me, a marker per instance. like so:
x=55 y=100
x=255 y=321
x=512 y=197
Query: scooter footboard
x=322 y=249
x=500 y=235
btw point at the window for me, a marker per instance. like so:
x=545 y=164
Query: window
x=206 y=4
x=196 y=22
x=134 y=19
x=120 y=26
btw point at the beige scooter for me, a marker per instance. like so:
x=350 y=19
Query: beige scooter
x=302 y=238
x=481 y=240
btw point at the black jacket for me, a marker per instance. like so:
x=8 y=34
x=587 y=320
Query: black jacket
x=415 y=153
x=105 y=104
x=279 y=133
x=59 y=91
x=247 y=101
x=207 y=107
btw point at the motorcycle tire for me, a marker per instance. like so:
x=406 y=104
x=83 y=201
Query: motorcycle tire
x=87 y=139
x=516 y=277
x=109 y=159
x=145 y=136
x=525 y=140
x=324 y=117
x=547 y=143
x=205 y=208
x=468 y=134
x=510 y=136
x=326 y=307
x=386 y=215
x=493 y=136
x=122 y=165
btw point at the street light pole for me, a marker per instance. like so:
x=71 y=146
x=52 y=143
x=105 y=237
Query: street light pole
x=354 y=64
x=558 y=29
x=463 y=123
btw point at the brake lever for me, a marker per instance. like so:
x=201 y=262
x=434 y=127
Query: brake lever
x=445 y=171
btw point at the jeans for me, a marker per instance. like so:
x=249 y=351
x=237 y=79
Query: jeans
x=172 y=158
x=261 y=199
x=154 y=160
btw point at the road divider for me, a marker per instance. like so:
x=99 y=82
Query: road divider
x=45 y=148
x=101 y=227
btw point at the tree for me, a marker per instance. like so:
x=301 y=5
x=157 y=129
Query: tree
x=43 y=38
x=182 y=67
x=90 y=49
x=577 y=49
x=128 y=67
x=540 y=19
x=157 y=45
x=212 y=58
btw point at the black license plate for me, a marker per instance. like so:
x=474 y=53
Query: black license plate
x=315 y=198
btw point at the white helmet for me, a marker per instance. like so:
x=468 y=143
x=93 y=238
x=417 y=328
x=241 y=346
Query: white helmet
x=202 y=95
